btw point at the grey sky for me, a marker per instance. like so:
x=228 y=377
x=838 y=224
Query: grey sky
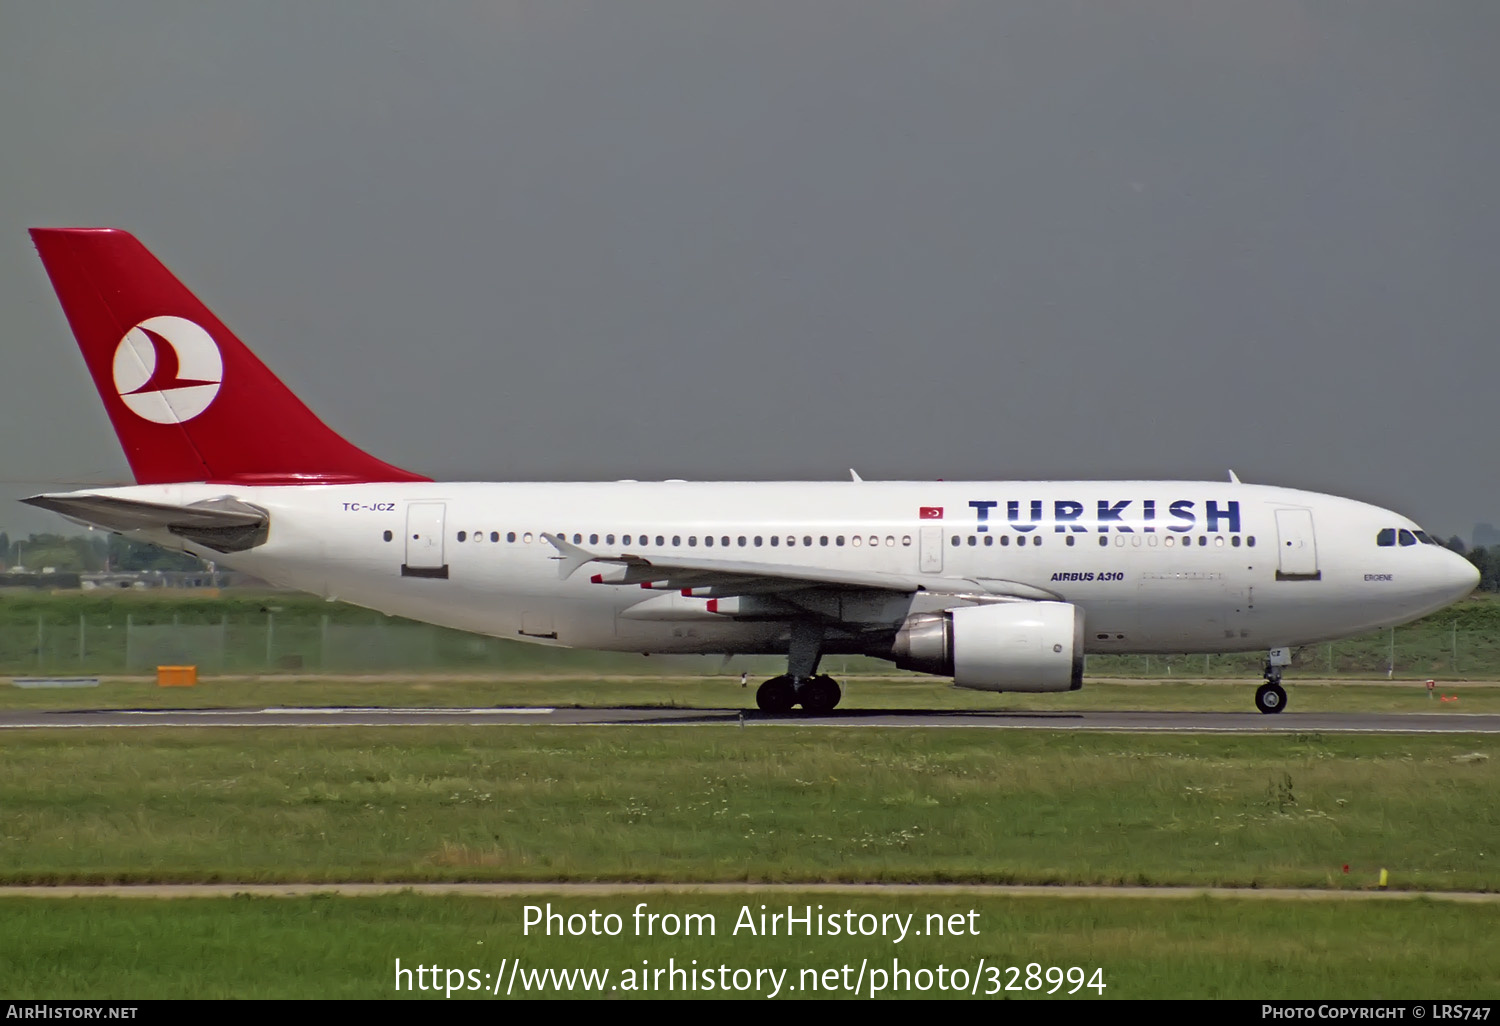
x=557 y=240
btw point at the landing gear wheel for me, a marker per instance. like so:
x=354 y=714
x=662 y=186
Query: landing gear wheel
x=776 y=695
x=1270 y=698
x=819 y=695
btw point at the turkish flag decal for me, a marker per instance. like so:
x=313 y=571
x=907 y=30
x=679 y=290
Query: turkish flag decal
x=930 y=513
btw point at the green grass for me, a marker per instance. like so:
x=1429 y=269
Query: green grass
x=726 y=693
x=329 y=947
x=755 y=804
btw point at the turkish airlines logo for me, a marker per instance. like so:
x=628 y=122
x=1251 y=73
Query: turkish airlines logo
x=930 y=513
x=168 y=370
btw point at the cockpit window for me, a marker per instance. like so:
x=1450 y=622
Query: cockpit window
x=1407 y=538
x=1387 y=536
x=1425 y=538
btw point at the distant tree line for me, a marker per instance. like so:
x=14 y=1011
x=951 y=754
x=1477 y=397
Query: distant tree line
x=96 y=552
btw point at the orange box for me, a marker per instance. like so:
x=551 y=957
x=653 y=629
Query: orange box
x=176 y=676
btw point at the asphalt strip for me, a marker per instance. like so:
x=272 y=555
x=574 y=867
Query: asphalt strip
x=521 y=890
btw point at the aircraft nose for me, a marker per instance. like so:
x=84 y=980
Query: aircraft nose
x=1456 y=575
x=1465 y=576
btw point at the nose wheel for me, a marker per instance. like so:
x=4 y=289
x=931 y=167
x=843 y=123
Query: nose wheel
x=1270 y=698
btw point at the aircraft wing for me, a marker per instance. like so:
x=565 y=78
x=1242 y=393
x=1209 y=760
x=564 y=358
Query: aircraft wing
x=224 y=524
x=724 y=577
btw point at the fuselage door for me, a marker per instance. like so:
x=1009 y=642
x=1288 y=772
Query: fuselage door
x=1298 y=546
x=424 y=540
x=932 y=550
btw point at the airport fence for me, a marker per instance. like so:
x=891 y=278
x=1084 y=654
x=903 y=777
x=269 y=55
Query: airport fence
x=48 y=644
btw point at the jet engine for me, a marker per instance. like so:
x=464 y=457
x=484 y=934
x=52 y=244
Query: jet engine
x=1009 y=646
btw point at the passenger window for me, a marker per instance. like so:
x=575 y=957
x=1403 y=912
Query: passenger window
x=1387 y=536
x=858 y=541
x=677 y=540
x=757 y=541
x=906 y=540
x=1235 y=541
x=839 y=541
x=791 y=540
x=1169 y=541
x=661 y=542
x=388 y=536
x=1104 y=540
x=957 y=541
x=823 y=540
x=510 y=536
x=1219 y=541
x=989 y=540
x=692 y=541
x=725 y=541
x=1004 y=540
x=1250 y=541
x=462 y=535
x=1407 y=538
x=1070 y=539
x=807 y=539
x=593 y=539
x=742 y=541
x=973 y=541
x=708 y=540
x=494 y=536
x=526 y=537
x=609 y=539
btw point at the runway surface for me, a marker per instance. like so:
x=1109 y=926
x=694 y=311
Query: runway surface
x=1083 y=720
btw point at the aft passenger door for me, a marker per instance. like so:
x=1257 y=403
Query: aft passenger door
x=424 y=540
x=1298 y=546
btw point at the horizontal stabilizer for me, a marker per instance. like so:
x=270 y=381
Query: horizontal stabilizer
x=224 y=524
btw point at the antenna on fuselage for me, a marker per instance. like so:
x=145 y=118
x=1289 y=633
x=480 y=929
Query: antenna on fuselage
x=1233 y=477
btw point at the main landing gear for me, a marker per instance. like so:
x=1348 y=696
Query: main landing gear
x=801 y=684
x=816 y=695
x=1270 y=697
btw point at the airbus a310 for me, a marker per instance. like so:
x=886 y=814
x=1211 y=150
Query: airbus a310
x=1000 y=585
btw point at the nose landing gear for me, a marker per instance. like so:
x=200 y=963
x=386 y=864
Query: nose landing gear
x=1270 y=697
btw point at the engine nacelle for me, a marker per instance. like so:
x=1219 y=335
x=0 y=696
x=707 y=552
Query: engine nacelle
x=1010 y=646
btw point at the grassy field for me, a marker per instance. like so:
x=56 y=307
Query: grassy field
x=726 y=693
x=327 y=947
x=285 y=633
x=783 y=804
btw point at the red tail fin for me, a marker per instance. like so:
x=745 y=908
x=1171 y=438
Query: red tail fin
x=188 y=400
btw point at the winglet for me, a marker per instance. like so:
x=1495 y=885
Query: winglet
x=1234 y=478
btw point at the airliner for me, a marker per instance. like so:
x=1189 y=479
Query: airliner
x=999 y=585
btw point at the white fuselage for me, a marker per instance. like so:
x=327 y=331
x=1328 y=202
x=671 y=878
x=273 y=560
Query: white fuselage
x=1154 y=566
